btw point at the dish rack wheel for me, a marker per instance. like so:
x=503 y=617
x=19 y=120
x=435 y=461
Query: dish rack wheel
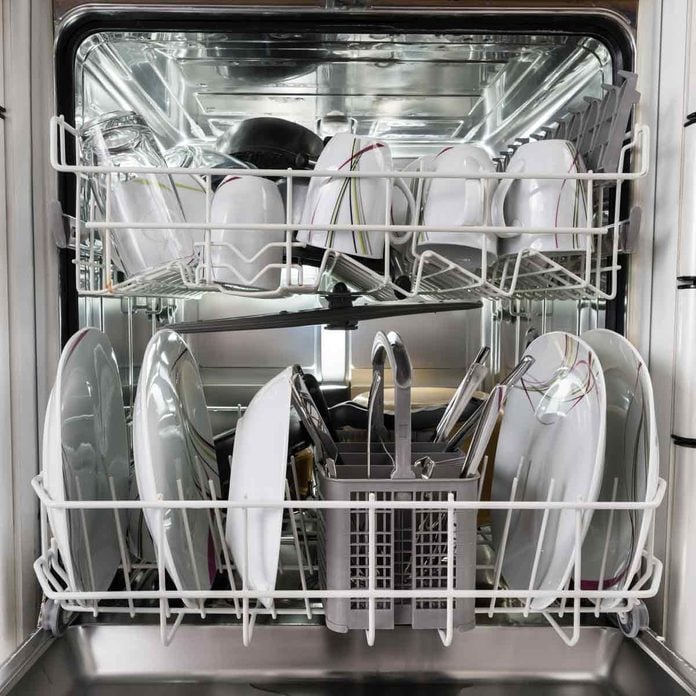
x=635 y=620
x=53 y=618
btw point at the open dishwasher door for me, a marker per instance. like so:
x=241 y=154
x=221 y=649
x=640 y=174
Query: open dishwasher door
x=403 y=85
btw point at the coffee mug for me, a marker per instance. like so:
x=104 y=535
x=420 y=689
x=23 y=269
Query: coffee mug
x=462 y=202
x=190 y=188
x=242 y=257
x=300 y=186
x=545 y=203
x=401 y=206
x=354 y=201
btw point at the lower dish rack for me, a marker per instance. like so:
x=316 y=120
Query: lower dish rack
x=441 y=583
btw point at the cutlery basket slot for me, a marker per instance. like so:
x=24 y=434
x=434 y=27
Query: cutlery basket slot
x=410 y=544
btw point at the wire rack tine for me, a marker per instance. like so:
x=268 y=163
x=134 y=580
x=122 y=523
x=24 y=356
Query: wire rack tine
x=122 y=547
x=88 y=545
x=503 y=543
x=225 y=551
x=298 y=551
x=189 y=545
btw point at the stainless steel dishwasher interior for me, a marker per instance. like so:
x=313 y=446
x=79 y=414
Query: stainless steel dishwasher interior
x=193 y=87
x=310 y=661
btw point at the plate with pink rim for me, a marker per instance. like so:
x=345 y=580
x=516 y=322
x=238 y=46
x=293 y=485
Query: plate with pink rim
x=175 y=459
x=611 y=555
x=552 y=442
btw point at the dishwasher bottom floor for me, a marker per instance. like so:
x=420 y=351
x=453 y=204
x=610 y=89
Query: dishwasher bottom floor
x=109 y=660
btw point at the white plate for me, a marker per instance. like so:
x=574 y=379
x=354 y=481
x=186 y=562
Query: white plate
x=632 y=457
x=173 y=441
x=257 y=473
x=84 y=447
x=554 y=419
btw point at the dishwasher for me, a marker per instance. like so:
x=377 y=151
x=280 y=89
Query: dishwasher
x=348 y=347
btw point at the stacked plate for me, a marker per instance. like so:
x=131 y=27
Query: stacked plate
x=85 y=457
x=580 y=426
x=175 y=460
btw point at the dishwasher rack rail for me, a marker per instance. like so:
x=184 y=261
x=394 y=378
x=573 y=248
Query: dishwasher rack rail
x=404 y=270
x=239 y=603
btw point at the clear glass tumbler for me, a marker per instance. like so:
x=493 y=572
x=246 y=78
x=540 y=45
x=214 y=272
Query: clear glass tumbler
x=123 y=139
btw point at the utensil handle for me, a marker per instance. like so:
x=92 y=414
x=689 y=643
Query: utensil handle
x=484 y=430
x=391 y=347
x=514 y=376
x=470 y=383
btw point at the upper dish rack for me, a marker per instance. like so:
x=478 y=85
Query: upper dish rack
x=405 y=271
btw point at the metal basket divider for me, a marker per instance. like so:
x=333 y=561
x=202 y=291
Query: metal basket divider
x=480 y=535
x=91 y=260
x=564 y=600
x=447 y=634
x=388 y=222
x=225 y=550
x=88 y=546
x=598 y=252
x=166 y=636
x=605 y=549
x=208 y=233
x=203 y=487
x=649 y=552
x=63 y=127
x=298 y=551
x=539 y=546
x=189 y=545
x=637 y=145
x=503 y=542
x=590 y=237
x=289 y=194
x=47 y=567
x=653 y=566
x=107 y=278
x=371 y=572
x=572 y=639
x=303 y=528
x=122 y=548
x=248 y=620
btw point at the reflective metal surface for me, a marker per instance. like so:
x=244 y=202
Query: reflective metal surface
x=111 y=660
x=415 y=91
x=424 y=90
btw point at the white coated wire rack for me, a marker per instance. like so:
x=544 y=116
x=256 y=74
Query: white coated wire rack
x=236 y=602
x=586 y=273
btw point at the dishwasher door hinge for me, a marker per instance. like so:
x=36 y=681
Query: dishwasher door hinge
x=3 y=112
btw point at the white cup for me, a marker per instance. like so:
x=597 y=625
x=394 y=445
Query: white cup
x=242 y=257
x=354 y=201
x=401 y=206
x=300 y=186
x=547 y=203
x=462 y=202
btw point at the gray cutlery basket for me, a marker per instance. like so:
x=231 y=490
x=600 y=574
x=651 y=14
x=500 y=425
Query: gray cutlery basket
x=411 y=544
